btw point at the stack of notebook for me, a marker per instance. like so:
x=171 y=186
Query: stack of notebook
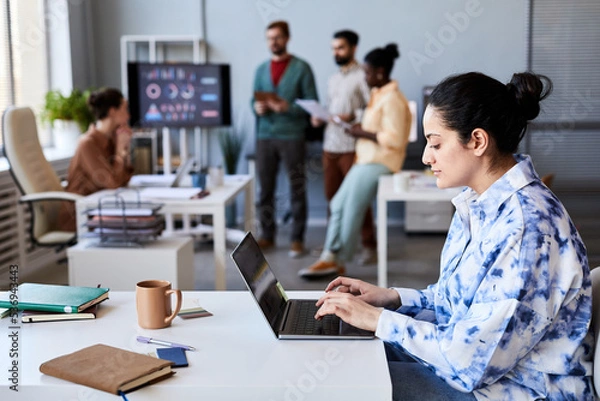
x=48 y=302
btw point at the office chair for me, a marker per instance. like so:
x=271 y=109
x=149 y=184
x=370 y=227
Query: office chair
x=36 y=179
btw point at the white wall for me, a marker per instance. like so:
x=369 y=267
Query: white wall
x=492 y=39
x=435 y=38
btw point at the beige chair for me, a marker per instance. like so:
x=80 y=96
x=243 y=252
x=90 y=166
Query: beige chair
x=35 y=178
x=595 y=275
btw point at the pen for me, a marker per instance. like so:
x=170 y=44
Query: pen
x=149 y=340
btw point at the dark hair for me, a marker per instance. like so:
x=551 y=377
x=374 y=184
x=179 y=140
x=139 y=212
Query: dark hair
x=474 y=100
x=383 y=57
x=285 y=28
x=350 y=36
x=102 y=100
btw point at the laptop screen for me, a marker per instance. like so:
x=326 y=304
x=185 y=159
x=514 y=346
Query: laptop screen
x=182 y=172
x=260 y=279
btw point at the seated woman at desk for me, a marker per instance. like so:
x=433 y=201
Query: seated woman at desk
x=102 y=159
x=509 y=316
x=381 y=143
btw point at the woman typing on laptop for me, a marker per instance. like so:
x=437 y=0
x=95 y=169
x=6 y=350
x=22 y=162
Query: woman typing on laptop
x=509 y=315
x=101 y=160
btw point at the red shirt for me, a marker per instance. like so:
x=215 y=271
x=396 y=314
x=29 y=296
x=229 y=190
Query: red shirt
x=277 y=69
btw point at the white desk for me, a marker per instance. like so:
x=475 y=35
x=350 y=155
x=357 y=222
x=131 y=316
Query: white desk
x=120 y=269
x=386 y=193
x=237 y=357
x=214 y=204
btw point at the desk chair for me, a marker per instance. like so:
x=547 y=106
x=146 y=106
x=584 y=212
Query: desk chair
x=35 y=178
x=595 y=276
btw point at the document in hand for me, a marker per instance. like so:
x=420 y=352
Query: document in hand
x=314 y=109
x=53 y=298
x=107 y=368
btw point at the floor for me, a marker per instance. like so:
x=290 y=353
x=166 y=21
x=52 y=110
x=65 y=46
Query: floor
x=413 y=259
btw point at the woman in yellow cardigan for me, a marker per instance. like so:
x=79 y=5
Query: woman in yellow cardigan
x=380 y=149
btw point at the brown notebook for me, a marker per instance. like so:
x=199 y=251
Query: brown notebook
x=109 y=369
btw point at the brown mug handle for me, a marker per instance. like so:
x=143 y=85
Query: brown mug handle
x=177 y=308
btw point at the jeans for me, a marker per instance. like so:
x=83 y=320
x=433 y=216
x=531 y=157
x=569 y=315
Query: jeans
x=348 y=208
x=413 y=381
x=335 y=168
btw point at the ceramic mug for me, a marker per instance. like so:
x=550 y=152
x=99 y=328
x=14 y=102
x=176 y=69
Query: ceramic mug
x=153 y=303
x=401 y=181
x=216 y=176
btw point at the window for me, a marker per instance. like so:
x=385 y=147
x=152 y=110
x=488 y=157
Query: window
x=564 y=139
x=23 y=58
x=564 y=46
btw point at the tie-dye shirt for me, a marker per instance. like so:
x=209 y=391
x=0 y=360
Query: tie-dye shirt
x=508 y=318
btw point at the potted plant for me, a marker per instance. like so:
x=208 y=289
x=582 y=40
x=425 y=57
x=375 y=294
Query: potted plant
x=231 y=148
x=68 y=115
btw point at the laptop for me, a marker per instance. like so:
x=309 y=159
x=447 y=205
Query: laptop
x=288 y=318
x=159 y=180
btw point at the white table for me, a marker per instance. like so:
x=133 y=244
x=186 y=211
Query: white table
x=214 y=204
x=120 y=269
x=237 y=357
x=386 y=193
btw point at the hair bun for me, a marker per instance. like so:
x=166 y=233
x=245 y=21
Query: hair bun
x=392 y=50
x=92 y=99
x=529 y=90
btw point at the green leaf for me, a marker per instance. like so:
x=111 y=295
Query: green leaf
x=231 y=147
x=73 y=107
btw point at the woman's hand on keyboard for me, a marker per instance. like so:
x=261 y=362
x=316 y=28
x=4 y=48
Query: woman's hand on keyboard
x=350 y=308
x=383 y=297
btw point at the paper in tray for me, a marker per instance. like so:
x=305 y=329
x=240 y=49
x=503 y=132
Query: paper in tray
x=128 y=221
x=129 y=235
x=125 y=209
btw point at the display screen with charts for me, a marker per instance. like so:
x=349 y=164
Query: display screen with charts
x=179 y=94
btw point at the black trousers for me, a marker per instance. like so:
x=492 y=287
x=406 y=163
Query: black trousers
x=269 y=154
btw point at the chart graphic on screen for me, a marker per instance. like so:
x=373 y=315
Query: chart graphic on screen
x=179 y=94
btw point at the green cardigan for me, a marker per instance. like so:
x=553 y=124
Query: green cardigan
x=297 y=82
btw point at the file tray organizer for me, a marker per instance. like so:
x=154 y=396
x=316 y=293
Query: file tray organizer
x=117 y=222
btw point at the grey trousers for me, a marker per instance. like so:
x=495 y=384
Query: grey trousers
x=269 y=154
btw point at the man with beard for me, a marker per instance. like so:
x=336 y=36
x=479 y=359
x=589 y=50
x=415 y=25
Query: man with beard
x=280 y=134
x=347 y=96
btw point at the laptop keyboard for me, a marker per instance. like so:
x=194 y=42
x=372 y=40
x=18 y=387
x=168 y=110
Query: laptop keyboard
x=304 y=321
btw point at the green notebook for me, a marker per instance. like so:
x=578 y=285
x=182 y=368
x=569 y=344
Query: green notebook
x=55 y=298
